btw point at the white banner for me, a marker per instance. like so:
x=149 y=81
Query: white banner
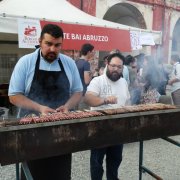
x=147 y=39
x=138 y=39
x=28 y=33
x=135 y=40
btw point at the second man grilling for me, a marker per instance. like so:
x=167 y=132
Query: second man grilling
x=108 y=91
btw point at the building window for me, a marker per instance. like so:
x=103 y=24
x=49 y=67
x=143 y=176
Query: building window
x=7 y=63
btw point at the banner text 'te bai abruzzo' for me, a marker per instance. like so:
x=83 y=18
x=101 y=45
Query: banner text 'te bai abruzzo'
x=104 y=39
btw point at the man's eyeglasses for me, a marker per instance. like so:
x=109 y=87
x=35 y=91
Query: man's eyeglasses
x=116 y=66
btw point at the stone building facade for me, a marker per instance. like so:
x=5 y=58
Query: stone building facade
x=161 y=15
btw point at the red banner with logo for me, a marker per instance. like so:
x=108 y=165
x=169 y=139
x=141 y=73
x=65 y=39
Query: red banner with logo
x=104 y=39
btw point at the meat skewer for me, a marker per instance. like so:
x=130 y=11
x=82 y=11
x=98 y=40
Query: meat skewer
x=59 y=116
x=86 y=114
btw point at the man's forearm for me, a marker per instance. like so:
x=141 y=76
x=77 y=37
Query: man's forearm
x=172 y=81
x=24 y=102
x=93 y=101
x=74 y=100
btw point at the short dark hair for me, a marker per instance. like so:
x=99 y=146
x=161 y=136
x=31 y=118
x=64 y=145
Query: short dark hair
x=119 y=55
x=129 y=59
x=86 y=48
x=52 y=29
x=105 y=57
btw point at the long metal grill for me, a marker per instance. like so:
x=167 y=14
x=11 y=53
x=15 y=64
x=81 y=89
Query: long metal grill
x=22 y=142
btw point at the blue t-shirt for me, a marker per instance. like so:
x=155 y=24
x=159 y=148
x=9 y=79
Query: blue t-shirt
x=23 y=73
x=83 y=66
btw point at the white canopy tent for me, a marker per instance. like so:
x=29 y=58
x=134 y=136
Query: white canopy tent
x=54 y=11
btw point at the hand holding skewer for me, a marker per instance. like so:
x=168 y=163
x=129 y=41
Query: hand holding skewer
x=110 y=100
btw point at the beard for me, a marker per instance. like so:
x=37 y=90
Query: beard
x=50 y=57
x=113 y=76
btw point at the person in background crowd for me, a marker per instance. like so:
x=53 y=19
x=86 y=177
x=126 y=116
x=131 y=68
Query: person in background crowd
x=105 y=60
x=140 y=60
x=83 y=65
x=163 y=77
x=109 y=90
x=96 y=73
x=76 y=55
x=134 y=86
x=152 y=80
x=43 y=82
x=174 y=80
x=145 y=65
x=155 y=75
x=69 y=53
x=142 y=68
x=150 y=73
x=101 y=71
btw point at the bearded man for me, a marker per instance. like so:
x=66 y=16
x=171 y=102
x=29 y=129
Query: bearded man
x=108 y=91
x=44 y=82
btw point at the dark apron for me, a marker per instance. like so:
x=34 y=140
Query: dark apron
x=50 y=88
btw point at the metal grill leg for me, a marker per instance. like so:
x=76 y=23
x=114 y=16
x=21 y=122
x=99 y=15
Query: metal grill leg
x=143 y=168
x=17 y=171
x=26 y=171
x=140 y=159
x=172 y=141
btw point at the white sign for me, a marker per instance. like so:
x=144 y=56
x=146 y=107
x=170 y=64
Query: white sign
x=28 y=33
x=135 y=40
x=146 y=39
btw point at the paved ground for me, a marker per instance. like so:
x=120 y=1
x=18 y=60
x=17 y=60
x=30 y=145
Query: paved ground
x=160 y=156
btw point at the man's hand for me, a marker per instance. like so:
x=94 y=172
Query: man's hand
x=46 y=110
x=63 y=109
x=110 y=100
x=92 y=99
x=26 y=103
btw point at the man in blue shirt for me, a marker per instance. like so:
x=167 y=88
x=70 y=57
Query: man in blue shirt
x=43 y=82
x=83 y=65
